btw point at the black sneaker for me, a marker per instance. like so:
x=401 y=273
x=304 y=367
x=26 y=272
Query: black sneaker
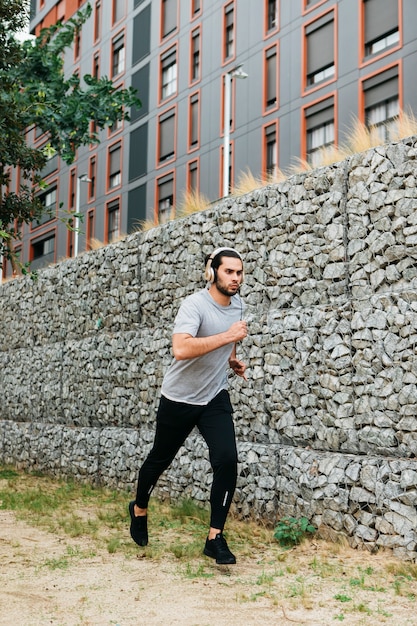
x=138 y=526
x=217 y=549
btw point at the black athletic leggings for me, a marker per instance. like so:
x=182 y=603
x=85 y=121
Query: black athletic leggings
x=174 y=422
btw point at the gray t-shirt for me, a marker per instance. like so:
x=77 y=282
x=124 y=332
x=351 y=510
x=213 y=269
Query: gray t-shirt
x=199 y=380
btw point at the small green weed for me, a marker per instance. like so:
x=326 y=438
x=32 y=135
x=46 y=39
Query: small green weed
x=322 y=567
x=357 y=582
x=63 y=561
x=59 y=563
x=291 y=531
x=363 y=608
x=342 y=598
x=198 y=572
x=297 y=589
x=265 y=579
x=113 y=545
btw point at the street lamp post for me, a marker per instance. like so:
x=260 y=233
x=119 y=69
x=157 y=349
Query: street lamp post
x=83 y=178
x=235 y=73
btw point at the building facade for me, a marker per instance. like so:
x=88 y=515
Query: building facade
x=309 y=67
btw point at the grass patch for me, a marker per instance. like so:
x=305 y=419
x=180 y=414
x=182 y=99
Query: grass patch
x=63 y=562
x=198 y=571
x=7 y=474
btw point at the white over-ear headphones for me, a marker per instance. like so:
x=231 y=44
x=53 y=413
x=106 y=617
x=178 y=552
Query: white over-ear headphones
x=210 y=272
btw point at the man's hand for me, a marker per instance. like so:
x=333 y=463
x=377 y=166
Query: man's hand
x=238 y=367
x=238 y=331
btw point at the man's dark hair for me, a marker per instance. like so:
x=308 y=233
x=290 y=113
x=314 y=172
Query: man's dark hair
x=217 y=260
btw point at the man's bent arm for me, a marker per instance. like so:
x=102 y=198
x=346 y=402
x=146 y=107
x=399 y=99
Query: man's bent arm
x=185 y=346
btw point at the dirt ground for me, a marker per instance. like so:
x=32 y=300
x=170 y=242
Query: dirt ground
x=48 y=579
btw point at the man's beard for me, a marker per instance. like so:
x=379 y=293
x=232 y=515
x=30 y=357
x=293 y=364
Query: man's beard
x=223 y=289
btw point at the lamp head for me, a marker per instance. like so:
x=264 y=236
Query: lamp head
x=238 y=72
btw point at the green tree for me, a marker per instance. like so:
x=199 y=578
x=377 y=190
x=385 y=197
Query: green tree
x=34 y=91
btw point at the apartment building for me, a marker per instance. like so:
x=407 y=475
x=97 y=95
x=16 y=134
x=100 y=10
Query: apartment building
x=226 y=86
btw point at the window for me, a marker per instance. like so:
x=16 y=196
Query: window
x=42 y=251
x=115 y=171
x=92 y=175
x=96 y=65
x=167 y=136
x=195 y=7
x=114 y=128
x=320 y=129
x=320 y=49
x=169 y=73
x=90 y=229
x=165 y=198
x=271 y=78
x=93 y=129
x=48 y=200
x=50 y=166
x=97 y=20
x=118 y=10
x=226 y=186
x=118 y=124
x=195 y=55
x=118 y=55
x=229 y=31
x=194 y=121
x=71 y=190
x=192 y=182
x=382 y=102
x=6 y=266
x=169 y=17
x=70 y=240
x=60 y=10
x=271 y=150
x=113 y=221
x=77 y=44
x=381 y=25
x=271 y=15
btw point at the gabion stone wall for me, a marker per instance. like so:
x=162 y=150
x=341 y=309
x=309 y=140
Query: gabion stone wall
x=326 y=424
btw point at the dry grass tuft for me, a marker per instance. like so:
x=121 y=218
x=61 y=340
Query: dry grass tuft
x=95 y=244
x=332 y=154
x=246 y=183
x=192 y=202
x=299 y=166
x=408 y=570
x=278 y=176
x=360 y=138
x=406 y=125
x=147 y=224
